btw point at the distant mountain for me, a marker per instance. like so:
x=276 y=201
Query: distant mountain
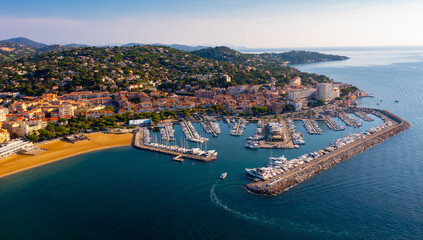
x=77 y=45
x=26 y=42
x=185 y=48
x=292 y=57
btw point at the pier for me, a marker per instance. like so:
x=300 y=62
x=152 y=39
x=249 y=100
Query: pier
x=350 y=121
x=208 y=128
x=238 y=128
x=312 y=126
x=138 y=143
x=332 y=124
x=290 y=178
x=363 y=116
x=190 y=133
x=167 y=133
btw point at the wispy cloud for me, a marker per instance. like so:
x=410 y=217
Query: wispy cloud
x=337 y=25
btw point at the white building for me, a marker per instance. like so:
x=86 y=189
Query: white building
x=14 y=147
x=301 y=94
x=66 y=110
x=3 y=114
x=327 y=92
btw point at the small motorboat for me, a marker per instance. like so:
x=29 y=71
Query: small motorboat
x=223 y=176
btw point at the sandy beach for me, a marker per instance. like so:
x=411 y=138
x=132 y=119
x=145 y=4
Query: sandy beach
x=58 y=150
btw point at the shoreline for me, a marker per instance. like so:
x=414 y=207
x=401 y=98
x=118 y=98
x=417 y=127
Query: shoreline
x=60 y=150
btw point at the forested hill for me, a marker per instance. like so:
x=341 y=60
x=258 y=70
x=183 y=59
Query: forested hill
x=114 y=69
x=292 y=57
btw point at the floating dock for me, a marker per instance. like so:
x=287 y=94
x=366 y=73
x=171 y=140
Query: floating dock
x=295 y=176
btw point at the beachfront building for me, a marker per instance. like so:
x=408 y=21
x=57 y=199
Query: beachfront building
x=14 y=147
x=4 y=136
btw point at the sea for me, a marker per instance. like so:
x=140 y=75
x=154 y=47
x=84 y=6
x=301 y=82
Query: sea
x=126 y=193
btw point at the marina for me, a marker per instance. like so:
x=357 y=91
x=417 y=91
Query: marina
x=167 y=133
x=312 y=126
x=297 y=137
x=238 y=128
x=253 y=141
x=190 y=133
x=363 y=116
x=333 y=125
x=350 y=121
x=142 y=140
x=282 y=174
x=211 y=127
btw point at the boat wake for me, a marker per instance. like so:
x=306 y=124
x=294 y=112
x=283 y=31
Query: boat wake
x=247 y=216
x=286 y=224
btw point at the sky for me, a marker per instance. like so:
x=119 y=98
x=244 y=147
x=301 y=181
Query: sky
x=248 y=23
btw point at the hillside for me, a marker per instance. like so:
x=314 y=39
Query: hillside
x=26 y=42
x=293 y=57
x=9 y=50
x=113 y=69
x=185 y=48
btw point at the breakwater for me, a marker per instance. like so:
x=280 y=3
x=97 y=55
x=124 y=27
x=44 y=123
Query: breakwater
x=295 y=176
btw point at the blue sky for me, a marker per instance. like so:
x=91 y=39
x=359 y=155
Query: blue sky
x=250 y=23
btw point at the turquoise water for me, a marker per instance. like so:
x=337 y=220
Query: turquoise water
x=125 y=193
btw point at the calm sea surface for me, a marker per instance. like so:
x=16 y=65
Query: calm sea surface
x=125 y=193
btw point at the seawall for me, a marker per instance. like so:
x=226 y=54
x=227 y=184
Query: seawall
x=287 y=180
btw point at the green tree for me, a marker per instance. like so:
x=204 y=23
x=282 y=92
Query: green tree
x=33 y=138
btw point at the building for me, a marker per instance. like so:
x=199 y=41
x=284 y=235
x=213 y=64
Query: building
x=274 y=131
x=3 y=114
x=18 y=106
x=227 y=78
x=327 y=92
x=66 y=110
x=4 y=136
x=301 y=94
x=296 y=104
x=205 y=93
x=140 y=122
x=14 y=147
x=296 y=81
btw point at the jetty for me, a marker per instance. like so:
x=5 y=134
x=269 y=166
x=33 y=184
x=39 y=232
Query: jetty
x=350 y=121
x=363 y=116
x=190 y=133
x=312 y=126
x=141 y=142
x=332 y=124
x=281 y=182
x=167 y=132
x=238 y=128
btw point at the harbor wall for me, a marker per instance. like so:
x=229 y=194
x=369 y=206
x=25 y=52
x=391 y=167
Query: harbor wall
x=330 y=160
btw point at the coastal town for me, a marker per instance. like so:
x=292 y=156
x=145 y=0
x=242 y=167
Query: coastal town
x=51 y=115
x=133 y=107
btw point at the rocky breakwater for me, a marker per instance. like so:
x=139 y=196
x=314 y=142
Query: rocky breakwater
x=293 y=177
